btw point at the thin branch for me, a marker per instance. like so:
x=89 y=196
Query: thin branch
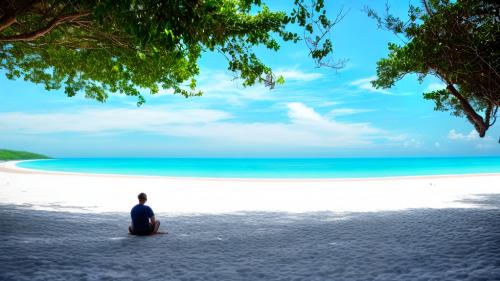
x=427 y=7
x=494 y=115
x=312 y=45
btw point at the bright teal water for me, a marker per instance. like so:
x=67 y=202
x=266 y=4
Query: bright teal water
x=274 y=168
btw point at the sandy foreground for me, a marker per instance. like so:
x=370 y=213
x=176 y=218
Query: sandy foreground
x=58 y=226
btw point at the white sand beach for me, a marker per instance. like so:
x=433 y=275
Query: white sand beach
x=62 y=226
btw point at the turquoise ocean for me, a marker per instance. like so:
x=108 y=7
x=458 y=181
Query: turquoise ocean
x=307 y=168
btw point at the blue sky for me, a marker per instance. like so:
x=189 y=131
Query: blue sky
x=318 y=112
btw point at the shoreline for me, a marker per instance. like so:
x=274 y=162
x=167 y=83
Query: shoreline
x=11 y=166
x=101 y=193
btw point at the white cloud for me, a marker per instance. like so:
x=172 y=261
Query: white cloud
x=365 y=84
x=453 y=135
x=434 y=87
x=103 y=120
x=406 y=141
x=297 y=75
x=299 y=113
x=226 y=86
x=328 y=103
x=398 y=138
x=362 y=81
x=221 y=85
x=347 y=111
x=412 y=143
x=218 y=84
x=305 y=126
x=485 y=146
x=473 y=137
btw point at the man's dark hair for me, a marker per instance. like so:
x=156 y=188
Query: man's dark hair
x=142 y=196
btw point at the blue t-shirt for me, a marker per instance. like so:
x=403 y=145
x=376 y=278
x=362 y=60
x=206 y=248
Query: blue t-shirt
x=140 y=215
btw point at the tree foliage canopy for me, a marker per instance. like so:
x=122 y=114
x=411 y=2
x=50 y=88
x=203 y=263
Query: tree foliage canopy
x=455 y=41
x=125 y=46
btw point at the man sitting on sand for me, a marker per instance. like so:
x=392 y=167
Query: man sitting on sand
x=143 y=218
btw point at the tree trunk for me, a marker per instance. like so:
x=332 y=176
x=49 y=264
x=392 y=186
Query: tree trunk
x=476 y=119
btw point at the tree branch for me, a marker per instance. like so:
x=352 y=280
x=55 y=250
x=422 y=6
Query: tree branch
x=427 y=8
x=487 y=115
x=31 y=36
x=7 y=20
x=471 y=114
x=494 y=115
x=10 y=14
